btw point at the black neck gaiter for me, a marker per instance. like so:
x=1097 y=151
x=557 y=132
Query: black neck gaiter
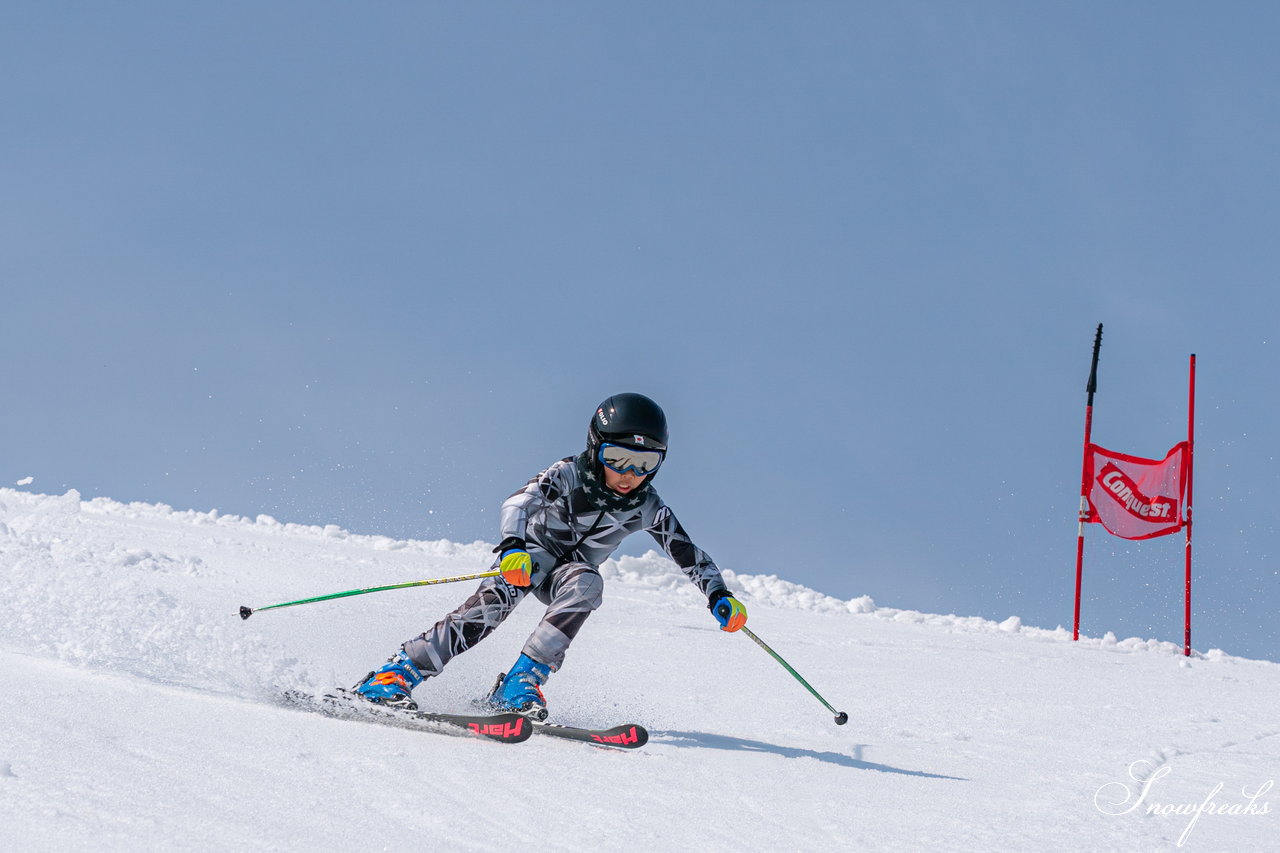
x=601 y=496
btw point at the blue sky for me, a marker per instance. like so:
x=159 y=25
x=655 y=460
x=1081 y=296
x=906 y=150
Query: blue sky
x=376 y=266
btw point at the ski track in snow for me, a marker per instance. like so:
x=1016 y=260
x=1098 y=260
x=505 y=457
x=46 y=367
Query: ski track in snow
x=139 y=710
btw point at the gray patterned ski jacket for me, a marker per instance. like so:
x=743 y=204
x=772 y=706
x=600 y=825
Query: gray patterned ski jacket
x=560 y=521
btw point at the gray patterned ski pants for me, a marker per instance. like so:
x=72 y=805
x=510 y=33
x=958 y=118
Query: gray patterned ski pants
x=570 y=591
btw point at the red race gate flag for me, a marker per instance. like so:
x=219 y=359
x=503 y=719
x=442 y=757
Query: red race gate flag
x=1136 y=498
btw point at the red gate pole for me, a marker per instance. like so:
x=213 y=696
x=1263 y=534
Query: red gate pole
x=1191 y=453
x=1084 y=478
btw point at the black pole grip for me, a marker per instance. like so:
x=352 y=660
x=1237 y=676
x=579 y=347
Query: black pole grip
x=1092 y=387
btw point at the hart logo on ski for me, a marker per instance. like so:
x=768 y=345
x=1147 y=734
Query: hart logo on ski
x=504 y=731
x=1128 y=495
x=628 y=738
x=625 y=736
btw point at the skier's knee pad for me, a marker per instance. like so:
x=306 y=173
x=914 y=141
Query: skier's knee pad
x=580 y=587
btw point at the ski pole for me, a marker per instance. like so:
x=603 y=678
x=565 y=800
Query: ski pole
x=246 y=612
x=841 y=716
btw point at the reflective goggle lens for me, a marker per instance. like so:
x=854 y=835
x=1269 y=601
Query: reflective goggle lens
x=621 y=459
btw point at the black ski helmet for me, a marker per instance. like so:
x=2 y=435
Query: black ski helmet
x=630 y=419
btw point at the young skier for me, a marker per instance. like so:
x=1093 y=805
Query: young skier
x=556 y=531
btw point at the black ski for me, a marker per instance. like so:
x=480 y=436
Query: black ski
x=626 y=736
x=343 y=704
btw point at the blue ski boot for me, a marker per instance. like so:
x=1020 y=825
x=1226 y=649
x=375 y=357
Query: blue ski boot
x=392 y=683
x=520 y=690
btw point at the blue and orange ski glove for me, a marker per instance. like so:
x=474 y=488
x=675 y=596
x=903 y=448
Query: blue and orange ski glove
x=729 y=611
x=515 y=565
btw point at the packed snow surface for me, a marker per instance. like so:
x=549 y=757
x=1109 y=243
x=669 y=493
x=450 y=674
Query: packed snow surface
x=139 y=711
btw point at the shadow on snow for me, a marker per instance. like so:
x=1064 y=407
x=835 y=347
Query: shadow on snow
x=704 y=740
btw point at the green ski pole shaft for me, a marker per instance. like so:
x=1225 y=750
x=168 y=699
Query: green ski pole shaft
x=841 y=716
x=246 y=612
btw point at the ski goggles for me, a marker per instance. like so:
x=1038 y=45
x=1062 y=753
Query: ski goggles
x=621 y=459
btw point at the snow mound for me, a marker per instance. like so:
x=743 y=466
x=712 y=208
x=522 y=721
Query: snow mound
x=121 y=605
x=656 y=571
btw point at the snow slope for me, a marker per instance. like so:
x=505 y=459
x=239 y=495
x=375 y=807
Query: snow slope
x=137 y=711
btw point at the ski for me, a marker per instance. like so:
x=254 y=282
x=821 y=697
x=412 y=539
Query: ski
x=344 y=705
x=626 y=736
